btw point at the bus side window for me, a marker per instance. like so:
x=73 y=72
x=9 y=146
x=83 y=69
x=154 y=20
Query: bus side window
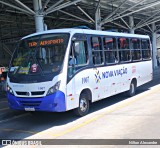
x=123 y=43
x=135 y=43
x=146 y=51
x=124 y=51
x=81 y=53
x=110 y=50
x=78 y=56
x=135 y=49
x=96 y=50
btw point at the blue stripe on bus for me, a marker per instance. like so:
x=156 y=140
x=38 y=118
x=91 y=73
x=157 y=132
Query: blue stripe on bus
x=52 y=103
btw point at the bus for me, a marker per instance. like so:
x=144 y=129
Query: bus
x=64 y=69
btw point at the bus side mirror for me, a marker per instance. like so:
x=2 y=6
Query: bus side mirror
x=73 y=39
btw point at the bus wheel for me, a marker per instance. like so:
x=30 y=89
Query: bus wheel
x=132 y=90
x=83 y=108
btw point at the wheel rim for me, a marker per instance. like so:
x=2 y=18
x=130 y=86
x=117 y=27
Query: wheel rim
x=83 y=104
x=132 y=88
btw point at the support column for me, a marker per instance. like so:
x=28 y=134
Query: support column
x=39 y=18
x=98 y=18
x=131 y=24
x=154 y=46
x=45 y=27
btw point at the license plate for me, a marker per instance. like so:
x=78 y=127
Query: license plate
x=30 y=109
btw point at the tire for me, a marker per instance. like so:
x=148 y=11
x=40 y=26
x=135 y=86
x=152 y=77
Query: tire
x=132 y=90
x=83 y=108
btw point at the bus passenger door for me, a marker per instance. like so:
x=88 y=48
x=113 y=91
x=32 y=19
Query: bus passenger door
x=78 y=61
x=70 y=91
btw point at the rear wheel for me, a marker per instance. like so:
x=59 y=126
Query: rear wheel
x=132 y=90
x=83 y=108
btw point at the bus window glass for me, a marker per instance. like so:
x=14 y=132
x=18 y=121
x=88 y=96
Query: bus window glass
x=78 y=57
x=135 y=49
x=123 y=43
x=109 y=43
x=146 y=54
x=124 y=55
x=124 y=50
x=110 y=51
x=144 y=44
x=135 y=43
x=81 y=53
x=40 y=54
x=96 y=50
x=146 y=51
x=136 y=55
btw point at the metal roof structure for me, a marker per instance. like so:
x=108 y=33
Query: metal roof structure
x=17 y=17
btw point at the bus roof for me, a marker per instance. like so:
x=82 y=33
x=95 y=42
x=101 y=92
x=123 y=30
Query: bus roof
x=87 y=31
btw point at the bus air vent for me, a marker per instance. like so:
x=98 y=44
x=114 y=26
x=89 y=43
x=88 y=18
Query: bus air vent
x=34 y=93
x=30 y=103
x=21 y=93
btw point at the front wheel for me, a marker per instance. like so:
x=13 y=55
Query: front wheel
x=83 y=108
x=132 y=90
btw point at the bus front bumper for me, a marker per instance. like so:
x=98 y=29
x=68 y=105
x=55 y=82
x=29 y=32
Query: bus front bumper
x=51 y=103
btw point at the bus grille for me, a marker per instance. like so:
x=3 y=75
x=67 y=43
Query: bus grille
x=34 y=93
x=21 y=93
x=30 y=103
x=37 y=93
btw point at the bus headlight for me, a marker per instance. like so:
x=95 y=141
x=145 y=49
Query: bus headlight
x=10 y=90
x=54 y=88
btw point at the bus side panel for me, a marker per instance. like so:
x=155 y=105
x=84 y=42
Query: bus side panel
x=90 y=79
x=102 y=82
x=114 y=80
x=144 y=72
x=107 y=81
x=72 y=100
x=82 y=80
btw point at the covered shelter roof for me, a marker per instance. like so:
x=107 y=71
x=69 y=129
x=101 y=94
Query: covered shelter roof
x=17 y=16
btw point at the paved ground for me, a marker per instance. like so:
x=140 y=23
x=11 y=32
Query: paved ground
x=5 y=112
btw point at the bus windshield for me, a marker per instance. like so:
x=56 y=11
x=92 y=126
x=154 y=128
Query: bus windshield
x=40 y=54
